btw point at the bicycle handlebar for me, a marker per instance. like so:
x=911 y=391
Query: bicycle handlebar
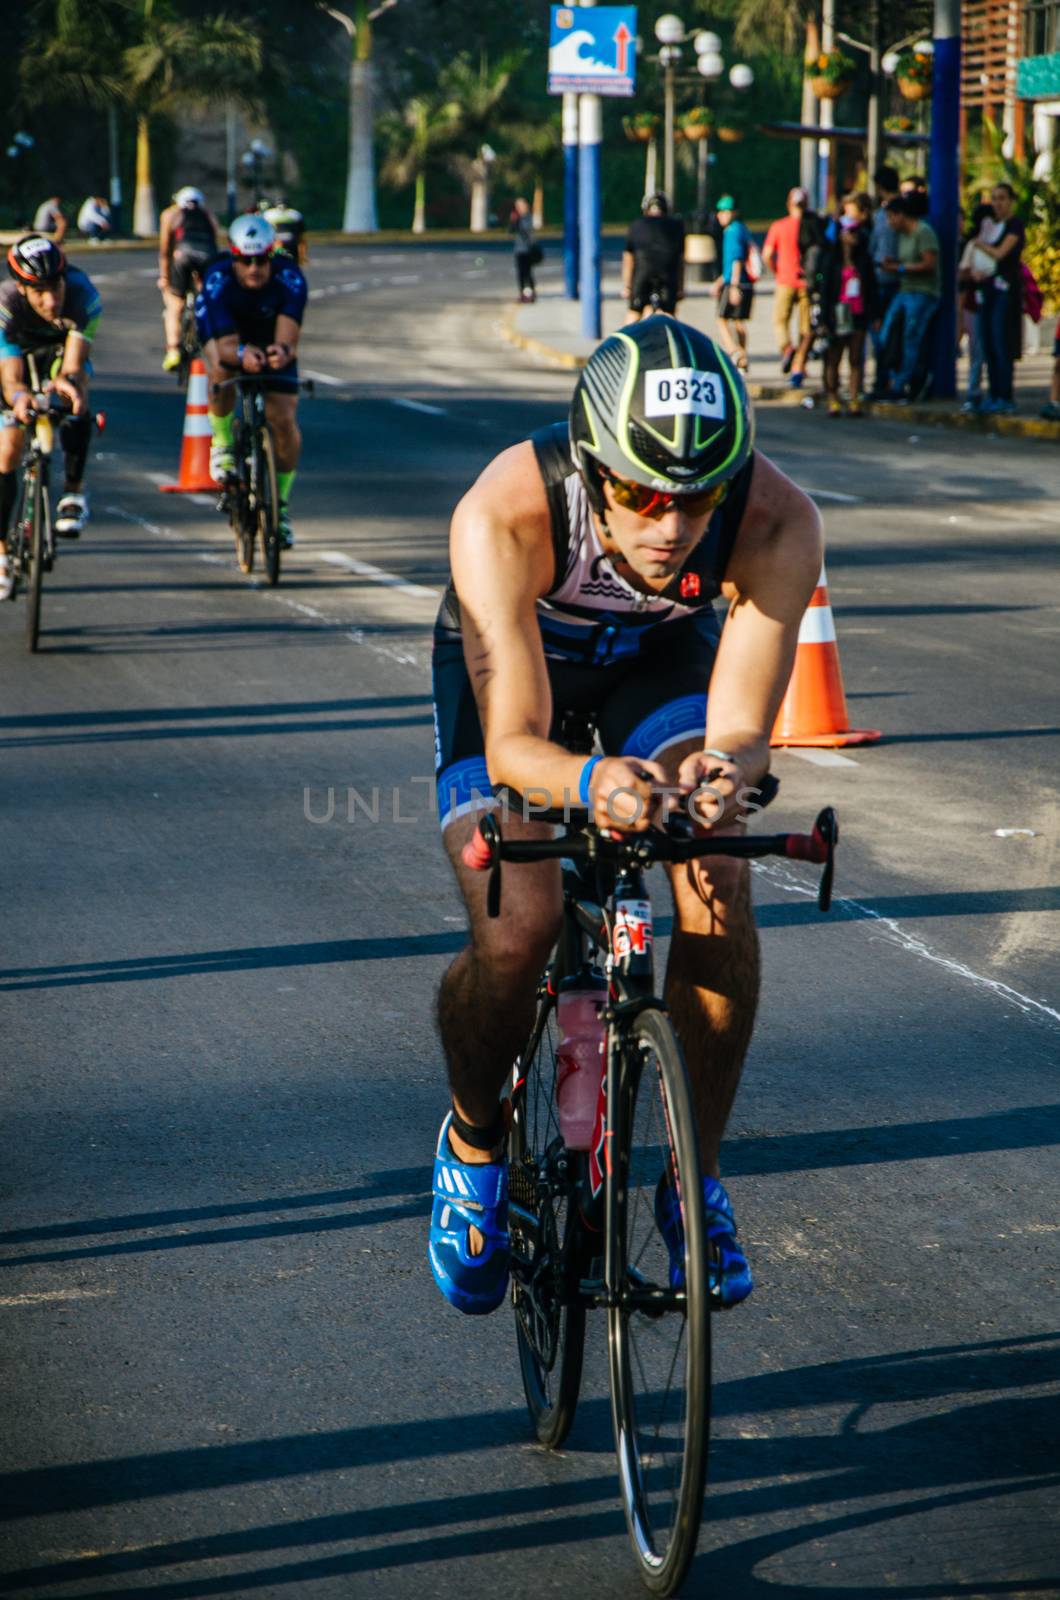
x=486 y=849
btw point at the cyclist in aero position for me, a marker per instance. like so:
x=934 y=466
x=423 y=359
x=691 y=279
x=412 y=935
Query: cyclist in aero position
x=187 y=240
x=249 y=315
x=49 y=313
x=290 y=229
x=585 y=563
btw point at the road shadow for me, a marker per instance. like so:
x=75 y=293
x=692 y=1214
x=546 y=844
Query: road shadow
x=967 y=1452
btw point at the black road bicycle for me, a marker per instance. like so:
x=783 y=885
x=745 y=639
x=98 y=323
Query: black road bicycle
x=31 y=537
x=188 y=343
x=583 y=1223
x=250 y=498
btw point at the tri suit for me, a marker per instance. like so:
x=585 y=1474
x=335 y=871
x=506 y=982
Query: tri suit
x=224 y=307
x=640 y=663
x=41 y=344
x=194 y=244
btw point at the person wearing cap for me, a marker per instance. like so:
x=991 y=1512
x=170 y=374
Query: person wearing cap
x=187 y=240
x=783 y=256
x=653 y=259
x=735 y=287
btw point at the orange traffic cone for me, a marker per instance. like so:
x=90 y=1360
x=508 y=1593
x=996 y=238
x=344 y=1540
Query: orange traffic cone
x=814 y=710
x=194 y=474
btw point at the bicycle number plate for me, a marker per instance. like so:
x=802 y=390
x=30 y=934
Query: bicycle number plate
x=632 y=934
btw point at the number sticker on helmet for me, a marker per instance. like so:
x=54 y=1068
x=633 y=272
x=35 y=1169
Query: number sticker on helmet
x=683 y=392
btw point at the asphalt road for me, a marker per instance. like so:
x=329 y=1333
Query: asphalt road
x=227 y=1370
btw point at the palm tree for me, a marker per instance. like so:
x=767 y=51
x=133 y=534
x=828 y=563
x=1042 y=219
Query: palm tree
x=176 y=61
x=359 y=212
x=426 y=125
x=531 y=154
x=477 y=93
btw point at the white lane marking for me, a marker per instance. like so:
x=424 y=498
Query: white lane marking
x=474 y=272
x=895 y=934
x=418 y=405
x=406 y=277
x=158 y=477
x=354 y=283
x=834 y=494
x=203 y=499
x=48 y=1296
x=365 y=569
x=315 y=294
x=823 y=758
x=323 y=377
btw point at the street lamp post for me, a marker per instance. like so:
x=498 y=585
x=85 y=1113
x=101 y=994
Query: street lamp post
x=20 y=146
x=670 y=32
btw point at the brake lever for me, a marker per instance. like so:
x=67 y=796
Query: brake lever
x=826 y=828
x=491 y=833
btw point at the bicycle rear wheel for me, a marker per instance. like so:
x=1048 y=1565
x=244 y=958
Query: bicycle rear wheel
x=268 y=507
x=549 y=1254
x=659 y=1336
x=34 y=555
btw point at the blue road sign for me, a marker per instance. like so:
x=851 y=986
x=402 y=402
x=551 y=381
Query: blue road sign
x=593 y=50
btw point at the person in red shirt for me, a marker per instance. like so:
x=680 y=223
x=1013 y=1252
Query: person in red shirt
x=782 y=255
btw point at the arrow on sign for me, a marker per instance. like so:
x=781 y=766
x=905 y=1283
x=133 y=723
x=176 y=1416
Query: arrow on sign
x=623 y=39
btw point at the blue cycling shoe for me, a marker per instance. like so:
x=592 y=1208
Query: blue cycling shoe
x=467 y=1196
x=730 y=1276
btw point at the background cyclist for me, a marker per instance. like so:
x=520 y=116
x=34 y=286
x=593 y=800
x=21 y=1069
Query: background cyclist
x=187 y=240
x=290 y=229
x=49 y=313
x=585 y=563
x=249 y=314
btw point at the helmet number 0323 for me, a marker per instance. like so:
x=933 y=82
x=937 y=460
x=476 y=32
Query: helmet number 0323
x=682 y=391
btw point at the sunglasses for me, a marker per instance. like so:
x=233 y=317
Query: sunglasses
x=653 y=503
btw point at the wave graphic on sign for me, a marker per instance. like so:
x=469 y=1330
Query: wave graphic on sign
x=566 y=58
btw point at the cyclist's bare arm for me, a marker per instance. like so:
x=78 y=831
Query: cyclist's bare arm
x=284 y=346
x=72 y=380
x=770 y=579
x=502 y=562
x=165 y=245
x=12 y=378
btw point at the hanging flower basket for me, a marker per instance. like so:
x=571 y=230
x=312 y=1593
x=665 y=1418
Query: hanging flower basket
x=641 y=127
x=915 y=74
x=699 y=123
x=831 y=74
x=730 y=135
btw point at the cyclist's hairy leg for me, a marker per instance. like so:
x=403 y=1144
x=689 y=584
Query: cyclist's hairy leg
x=10 y=456
x=214 y=351
x=172 y=311
x=282 y=412
x=712 y=978
x=486 y=999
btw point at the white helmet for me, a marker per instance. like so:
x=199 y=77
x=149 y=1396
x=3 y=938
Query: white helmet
x=187 y=197
x=251 y=235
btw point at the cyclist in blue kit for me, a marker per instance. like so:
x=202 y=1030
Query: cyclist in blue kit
x=249 y=315
x=585 y=565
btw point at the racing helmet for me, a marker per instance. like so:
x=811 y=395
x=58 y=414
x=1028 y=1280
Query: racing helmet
x=35 y=260
x=187 y=197
x=251 y=235
x=661 y=404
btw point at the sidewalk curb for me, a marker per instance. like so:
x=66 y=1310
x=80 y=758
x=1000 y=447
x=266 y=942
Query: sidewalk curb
x=782 y=395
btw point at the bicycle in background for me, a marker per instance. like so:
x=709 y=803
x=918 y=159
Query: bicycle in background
x=249 y=496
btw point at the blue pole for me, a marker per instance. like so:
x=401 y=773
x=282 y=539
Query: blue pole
x=589 y=126
x=944 y=186
x=570 y=196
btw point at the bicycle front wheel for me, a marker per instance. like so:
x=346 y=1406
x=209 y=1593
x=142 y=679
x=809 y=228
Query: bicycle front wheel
x=268 y=508
x=241 y=517
x=658 y=1328
x=34 y=536
x=549 y=1253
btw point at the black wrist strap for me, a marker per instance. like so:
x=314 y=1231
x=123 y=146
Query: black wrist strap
x=480 y=1138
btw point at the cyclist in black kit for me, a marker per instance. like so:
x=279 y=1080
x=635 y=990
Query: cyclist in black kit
x=290 y=229
x=187 y=240
x=48 y=317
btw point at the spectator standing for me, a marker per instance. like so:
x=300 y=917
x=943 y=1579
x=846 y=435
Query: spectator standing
x=735 y=287
x=783 y=256
x=848 y=300
x=914 y=192
x=884 y=247
x=915 y=304
x=1051 y=408
x=527 y=251
x=1001 y=301
x=653 y=258
x=49 y=219
x=93 y=219
x=974 y=266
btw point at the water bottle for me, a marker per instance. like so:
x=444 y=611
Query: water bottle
x=581 y=1056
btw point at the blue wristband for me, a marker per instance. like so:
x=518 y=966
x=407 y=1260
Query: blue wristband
x=583 y=781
